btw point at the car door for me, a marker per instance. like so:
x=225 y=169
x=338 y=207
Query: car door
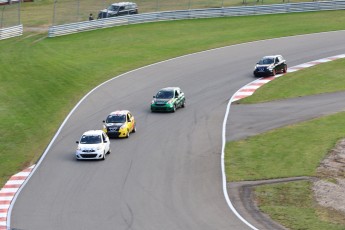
x=177 y=98
x=130 y=121
x=106 y=142
x=122 y=11
x=280 y=65
x=180 y=98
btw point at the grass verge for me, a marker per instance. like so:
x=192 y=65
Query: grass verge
x=292 y=204
x=295 y=150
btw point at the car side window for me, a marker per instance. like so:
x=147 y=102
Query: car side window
x=121 y=8
x=128 y=117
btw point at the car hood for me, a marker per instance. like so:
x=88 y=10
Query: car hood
x=89 y=146
x=162 y=101
x=264 y=65
x=114 y=124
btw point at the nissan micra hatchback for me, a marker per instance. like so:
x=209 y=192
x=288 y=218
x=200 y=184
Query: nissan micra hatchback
x=93 y=145
x=119 y=123
x=168 y=100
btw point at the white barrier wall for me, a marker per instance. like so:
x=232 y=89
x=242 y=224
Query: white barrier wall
x=10 y=32
x=59 y=30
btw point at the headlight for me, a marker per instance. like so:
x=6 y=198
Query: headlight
x=78 y=148
x=152 y=102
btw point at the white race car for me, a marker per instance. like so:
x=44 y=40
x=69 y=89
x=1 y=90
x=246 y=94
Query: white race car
x=93 y=144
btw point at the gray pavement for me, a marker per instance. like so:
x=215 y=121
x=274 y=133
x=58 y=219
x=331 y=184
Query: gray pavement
x=248 y=120
x=168 y=174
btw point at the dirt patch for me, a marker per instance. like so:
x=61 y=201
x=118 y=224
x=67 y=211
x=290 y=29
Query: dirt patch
x=329 y=188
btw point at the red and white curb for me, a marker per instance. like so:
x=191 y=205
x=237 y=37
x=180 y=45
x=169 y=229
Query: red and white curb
x=8 y=191
x=250 y=88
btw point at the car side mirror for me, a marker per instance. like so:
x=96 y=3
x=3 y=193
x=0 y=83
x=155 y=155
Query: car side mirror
x=154 y=96
x=103 y=121
x=77 y=142
x=105 y=141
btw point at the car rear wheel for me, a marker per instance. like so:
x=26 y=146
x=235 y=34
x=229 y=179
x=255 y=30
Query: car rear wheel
x=134 y=129
x=184 y=104
x=103 y=158
x=285 y=69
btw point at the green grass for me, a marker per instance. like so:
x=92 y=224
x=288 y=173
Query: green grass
x=295 y=150
x=324 y=78
x=292 y=204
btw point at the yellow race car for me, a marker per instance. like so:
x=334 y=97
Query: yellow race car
x=119 y=123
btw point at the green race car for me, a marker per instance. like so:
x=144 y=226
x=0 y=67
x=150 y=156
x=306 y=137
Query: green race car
x=168 y=100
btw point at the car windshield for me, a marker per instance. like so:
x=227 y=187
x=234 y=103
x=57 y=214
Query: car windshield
x=119 y=118
x=165 y=94
x=90 y=139
x=113 y=8
x=266 y=61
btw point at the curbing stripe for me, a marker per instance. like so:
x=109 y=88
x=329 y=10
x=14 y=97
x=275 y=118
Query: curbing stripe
x=8 y=192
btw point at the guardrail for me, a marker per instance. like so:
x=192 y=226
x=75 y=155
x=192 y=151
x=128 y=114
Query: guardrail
x=10 y=32
x=71 y=28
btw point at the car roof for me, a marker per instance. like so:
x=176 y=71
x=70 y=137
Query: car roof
x=169 y=88
x=93 y=132
x=119 y=112
x=272 y=56
x=123 y=3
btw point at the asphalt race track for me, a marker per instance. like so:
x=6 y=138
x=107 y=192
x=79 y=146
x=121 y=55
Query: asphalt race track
x=167 y=175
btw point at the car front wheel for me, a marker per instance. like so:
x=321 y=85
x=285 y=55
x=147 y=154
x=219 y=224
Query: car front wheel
x=273 y=72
